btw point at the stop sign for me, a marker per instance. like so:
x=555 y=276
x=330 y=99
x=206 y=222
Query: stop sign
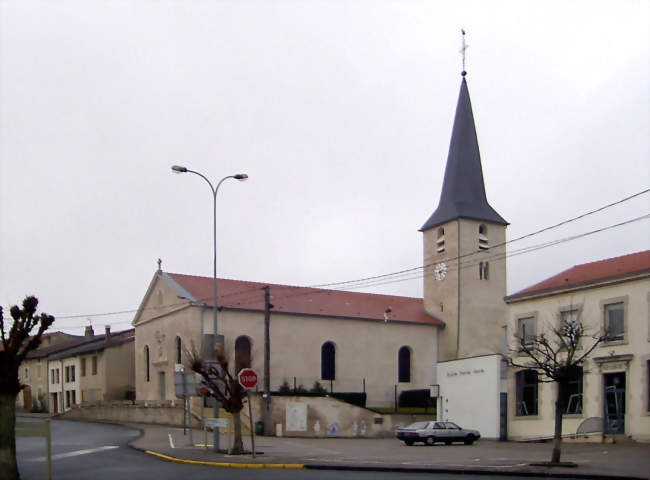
x=247 y=377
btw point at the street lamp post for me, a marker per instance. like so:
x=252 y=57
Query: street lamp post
x=240 y=177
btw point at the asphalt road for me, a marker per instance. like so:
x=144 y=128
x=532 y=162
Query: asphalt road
x=100 y=452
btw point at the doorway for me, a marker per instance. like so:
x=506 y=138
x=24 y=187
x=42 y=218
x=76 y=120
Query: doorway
x=27 y=398
x=614 y=402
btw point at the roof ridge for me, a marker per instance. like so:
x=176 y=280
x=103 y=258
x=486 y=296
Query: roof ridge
x=272 y=284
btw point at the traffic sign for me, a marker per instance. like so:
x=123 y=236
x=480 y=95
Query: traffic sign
x=215 y=423
x=247 y=378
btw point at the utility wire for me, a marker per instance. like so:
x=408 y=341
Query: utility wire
x=415 y=272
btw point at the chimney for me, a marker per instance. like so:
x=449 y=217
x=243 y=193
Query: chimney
x=89 y=333
x=108 y=333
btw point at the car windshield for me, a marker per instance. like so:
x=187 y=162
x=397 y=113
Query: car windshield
x=418 y=425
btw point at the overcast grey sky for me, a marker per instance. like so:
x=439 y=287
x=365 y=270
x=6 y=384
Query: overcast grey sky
x=341 y=114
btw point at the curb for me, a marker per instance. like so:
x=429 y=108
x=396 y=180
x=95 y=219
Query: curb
x=293 y=466
x=470 y=471
x=300 y=466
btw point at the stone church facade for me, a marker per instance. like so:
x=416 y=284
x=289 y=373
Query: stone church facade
x=349 y=341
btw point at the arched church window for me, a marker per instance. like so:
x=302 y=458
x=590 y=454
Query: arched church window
x=146 y=361
x=179 y=350
x=242 y=353
x=483 y=237
x=404 y=364
x=440 y=242
x=327 y=364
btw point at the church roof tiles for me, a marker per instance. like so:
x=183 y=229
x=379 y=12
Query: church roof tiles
x=244 y=295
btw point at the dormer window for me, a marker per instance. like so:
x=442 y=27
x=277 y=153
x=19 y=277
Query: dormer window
x=440 y=242
x=482 y=237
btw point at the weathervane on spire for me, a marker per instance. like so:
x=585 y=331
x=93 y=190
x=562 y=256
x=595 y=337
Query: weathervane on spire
x=462 y=52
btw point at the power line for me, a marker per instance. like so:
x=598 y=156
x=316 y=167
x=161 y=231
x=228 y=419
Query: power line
x=573 y=219
x=415 y=272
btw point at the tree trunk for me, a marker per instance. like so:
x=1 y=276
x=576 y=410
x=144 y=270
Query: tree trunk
x=238 y=444
x=557 y=436
x=8 y=465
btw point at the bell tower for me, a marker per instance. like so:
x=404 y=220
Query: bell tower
x=464 y=250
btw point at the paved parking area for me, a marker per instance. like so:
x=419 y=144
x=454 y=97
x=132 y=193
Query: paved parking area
x=630 y=460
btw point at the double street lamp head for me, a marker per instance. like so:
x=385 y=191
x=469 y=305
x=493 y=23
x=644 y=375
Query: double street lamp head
x=179 y=169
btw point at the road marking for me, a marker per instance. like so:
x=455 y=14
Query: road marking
x=76 y=453
x=171 y=442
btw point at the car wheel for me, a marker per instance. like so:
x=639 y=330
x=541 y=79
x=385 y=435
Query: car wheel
x=408 y=442
x=469 y=439
x=430 y=440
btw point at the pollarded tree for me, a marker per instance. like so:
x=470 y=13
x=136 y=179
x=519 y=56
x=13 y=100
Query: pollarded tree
x=557 y=355
x=15 y=346
x=224 y=387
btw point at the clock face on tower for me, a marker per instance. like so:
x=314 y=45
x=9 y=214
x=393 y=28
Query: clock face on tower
x=440 y=271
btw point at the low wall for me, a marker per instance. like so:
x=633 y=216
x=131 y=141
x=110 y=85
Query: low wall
x=298 y=416
x=156 y=414
x=328 y=417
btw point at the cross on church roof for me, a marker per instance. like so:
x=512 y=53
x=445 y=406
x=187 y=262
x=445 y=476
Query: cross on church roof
x=462 y=52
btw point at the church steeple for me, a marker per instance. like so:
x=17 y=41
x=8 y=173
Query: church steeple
x=463 y=190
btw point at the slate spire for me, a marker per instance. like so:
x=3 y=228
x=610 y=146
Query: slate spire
x=463 y=190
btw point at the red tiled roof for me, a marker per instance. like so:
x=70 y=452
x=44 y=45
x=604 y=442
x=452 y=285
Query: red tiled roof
x=590 y=273
x=239 y=294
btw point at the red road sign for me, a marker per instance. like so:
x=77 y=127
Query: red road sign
x=247 y=377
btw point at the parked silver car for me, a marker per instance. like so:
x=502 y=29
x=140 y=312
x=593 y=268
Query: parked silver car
x=432 y=432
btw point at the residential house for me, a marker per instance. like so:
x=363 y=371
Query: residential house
x=101 y=369
x=610 y=295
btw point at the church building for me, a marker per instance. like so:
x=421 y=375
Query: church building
x=350 y=341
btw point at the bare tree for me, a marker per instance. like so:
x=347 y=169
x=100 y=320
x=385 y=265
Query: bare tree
x=15 y=347
x=557 y=356
x=223 y=386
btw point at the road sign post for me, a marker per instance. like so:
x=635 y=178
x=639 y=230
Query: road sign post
x=248 y=379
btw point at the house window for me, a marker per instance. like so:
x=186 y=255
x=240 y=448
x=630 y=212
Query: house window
x=67 y=374
x=404 y=364
x=526 y=385
x=26 y=373
x=440 y=241
x=482 y=237
x=146 y=361
x=614 y=321
x=74 y=397
x=83 y=367
x=526 y=329
x=571 y=394
x=58 y=377
x=242 y=353
x=67 y=398
x=72 y=375
x=570 y=317
x=52 y=372
x=179 y=350
x=327 y=356
x=94 y=365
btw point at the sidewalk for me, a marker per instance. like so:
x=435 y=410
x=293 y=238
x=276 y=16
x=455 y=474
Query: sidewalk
x=595 y=460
